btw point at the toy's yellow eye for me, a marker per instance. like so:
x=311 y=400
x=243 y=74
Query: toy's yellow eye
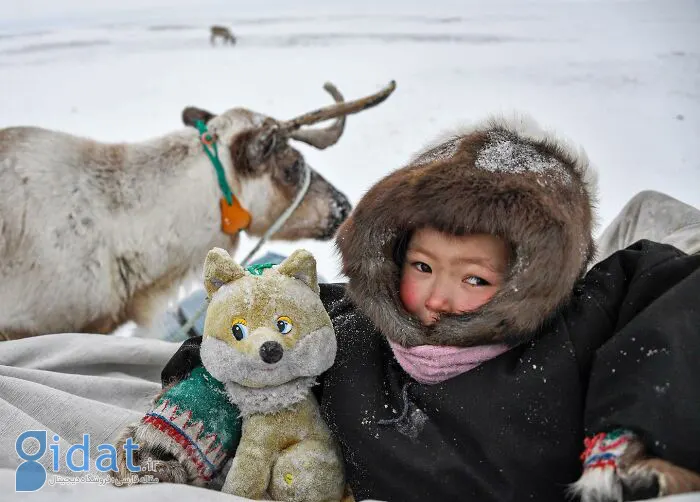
x=284 y=324
x=239 y=328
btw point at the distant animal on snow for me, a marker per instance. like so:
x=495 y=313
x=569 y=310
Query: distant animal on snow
x=223 y=33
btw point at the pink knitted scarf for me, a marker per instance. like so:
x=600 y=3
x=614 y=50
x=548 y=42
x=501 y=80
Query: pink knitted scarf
x=431 y=364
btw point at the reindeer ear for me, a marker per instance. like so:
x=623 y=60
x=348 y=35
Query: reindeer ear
x=301 y=265
x=191 y=115
x=220 y=269
x=261 y=145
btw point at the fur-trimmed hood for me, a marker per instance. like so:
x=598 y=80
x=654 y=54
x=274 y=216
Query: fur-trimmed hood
x=502 y=176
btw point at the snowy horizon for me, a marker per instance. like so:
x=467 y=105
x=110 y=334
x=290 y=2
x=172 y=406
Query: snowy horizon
x=620 y=78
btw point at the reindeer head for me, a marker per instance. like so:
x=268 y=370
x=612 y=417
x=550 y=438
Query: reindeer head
x=267 y=172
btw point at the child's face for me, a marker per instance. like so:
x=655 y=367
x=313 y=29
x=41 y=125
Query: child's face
x=444 y=273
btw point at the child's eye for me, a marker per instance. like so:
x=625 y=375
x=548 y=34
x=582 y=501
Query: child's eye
x=422 y=267
x=284 y=324
x=476 y=281
x=239 y=328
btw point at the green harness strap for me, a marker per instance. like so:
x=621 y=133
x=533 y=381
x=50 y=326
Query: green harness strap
x=212 y=151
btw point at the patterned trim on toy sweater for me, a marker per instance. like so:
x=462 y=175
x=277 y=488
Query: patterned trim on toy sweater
x=197 y=414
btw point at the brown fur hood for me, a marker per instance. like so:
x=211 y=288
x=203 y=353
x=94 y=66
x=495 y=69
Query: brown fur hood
x=503 y=176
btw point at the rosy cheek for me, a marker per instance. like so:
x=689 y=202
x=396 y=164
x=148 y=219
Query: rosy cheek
x=475 y=299
x=409 y=294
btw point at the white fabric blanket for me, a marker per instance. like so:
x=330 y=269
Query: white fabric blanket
x=73 y=384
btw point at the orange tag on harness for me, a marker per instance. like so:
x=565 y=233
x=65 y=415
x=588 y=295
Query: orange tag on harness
x=233 y=218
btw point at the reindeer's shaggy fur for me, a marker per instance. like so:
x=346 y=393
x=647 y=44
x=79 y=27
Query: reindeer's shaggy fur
x=93 y=235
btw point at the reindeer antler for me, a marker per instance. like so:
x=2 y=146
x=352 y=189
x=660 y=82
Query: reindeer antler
x=322 y=138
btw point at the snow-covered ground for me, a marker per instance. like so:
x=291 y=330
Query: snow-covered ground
x=622 y=78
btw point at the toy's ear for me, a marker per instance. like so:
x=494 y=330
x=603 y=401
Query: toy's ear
x=220 y=269
x=301 y=265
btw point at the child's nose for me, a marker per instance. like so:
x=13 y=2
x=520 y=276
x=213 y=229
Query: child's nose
x=438 y=300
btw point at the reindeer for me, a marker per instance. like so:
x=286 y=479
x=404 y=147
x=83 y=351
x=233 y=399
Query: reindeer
x=93 y=235
x=223 y=33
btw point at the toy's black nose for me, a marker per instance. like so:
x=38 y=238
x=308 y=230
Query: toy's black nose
x=271 y=352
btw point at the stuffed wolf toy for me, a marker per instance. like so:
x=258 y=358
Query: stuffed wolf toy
x=266 y=337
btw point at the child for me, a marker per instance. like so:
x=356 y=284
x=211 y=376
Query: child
x=474 y=357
